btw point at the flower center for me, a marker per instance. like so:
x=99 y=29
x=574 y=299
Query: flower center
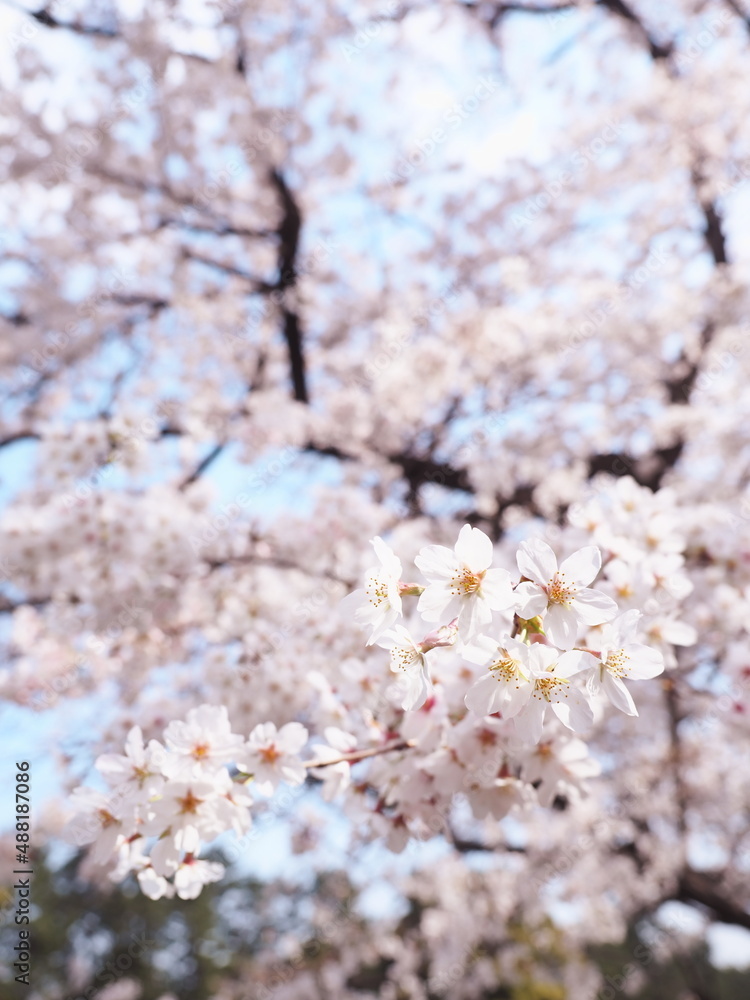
x=559 y=591
x=403 y=658
x=377 y=590
x=504 y=670
x=550 y=688
x=616 y=662
x=189 y=803
x=465 y=582
x=106 y=818
x=270 y=754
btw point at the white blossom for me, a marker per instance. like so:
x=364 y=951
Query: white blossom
x=561 y=595
x=461 y=583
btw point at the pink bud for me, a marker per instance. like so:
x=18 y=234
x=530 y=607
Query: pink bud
x=446 y=635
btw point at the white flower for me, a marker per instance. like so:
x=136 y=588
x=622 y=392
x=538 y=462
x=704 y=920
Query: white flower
x=622 y=659
x=137 y=774
x=272 y=756
x=154 y=886
x=507 y=686
x=188 y=811
x=381 y=594
x=558 y=766
x=205 y=740
x=193 y=874
x=408 y=657
x=461 y=583
x=562 y=593
x=99 y=821
x=552 y=689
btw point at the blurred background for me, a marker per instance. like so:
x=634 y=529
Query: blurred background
x=383 y=267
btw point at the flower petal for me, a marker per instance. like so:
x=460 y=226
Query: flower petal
x=388 y=558
x=530 y=600
x=618 y=694
x=536 y=561
x=484 y=696
x=573 y=662
x=644 y=662
x=474 y=549
x=582 y=566
x=530 y=722
x=418 y=687
x=436 y=562
x=574 y=711
x=497 y=589
x=561 y=626
x=435 y=600
x=593 y=607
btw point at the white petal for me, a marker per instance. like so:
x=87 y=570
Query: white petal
x=517 y=695
x=292 y=737
x=434 y=601
x=679 y=633
x=388 y=558
x=644 y=662
x=474 y=549
x=480 y=650
x=561 y=626
x=593 y=607
x=418 y=688
x=574 y=662
x=530 y=722
x=583 y=566
x=473 y=615
x=530 y=599
x=483 y=697
x=152 y=885
x=497 y=589
x=574 y=711
x=387 y=620
x=540 y=658
x=618 y=694
x=625 y=627
x=436 y=562
x=536 y=561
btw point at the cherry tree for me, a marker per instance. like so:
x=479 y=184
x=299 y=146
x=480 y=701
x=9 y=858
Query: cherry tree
x=374 y=391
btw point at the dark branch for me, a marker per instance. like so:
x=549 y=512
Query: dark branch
x=289 y=232
x=696 y=887
x=44 y=17
x=202 y=466
x=657 y=50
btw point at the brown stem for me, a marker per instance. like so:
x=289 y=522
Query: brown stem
x=357 y=755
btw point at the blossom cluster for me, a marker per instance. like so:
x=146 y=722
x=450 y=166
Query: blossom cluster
x=165 y=799
x=548 y=642
x=507 y=659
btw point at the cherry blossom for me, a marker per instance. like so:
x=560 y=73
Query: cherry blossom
x=272 y=755
x=383 y=599
x=408 y=658
x=137 y=772
x=621 y=659
x=553 y=687
x=204 y=740
x=246 y=329
x=508 y=685
x=562 y=593
x=462 y=584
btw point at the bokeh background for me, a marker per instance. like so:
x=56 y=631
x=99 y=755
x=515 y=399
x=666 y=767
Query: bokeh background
x=386 y=267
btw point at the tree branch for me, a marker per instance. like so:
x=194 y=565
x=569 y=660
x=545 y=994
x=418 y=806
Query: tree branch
x=697 y=887
x=289 y=232
x=357 y=755
x=44 y=17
